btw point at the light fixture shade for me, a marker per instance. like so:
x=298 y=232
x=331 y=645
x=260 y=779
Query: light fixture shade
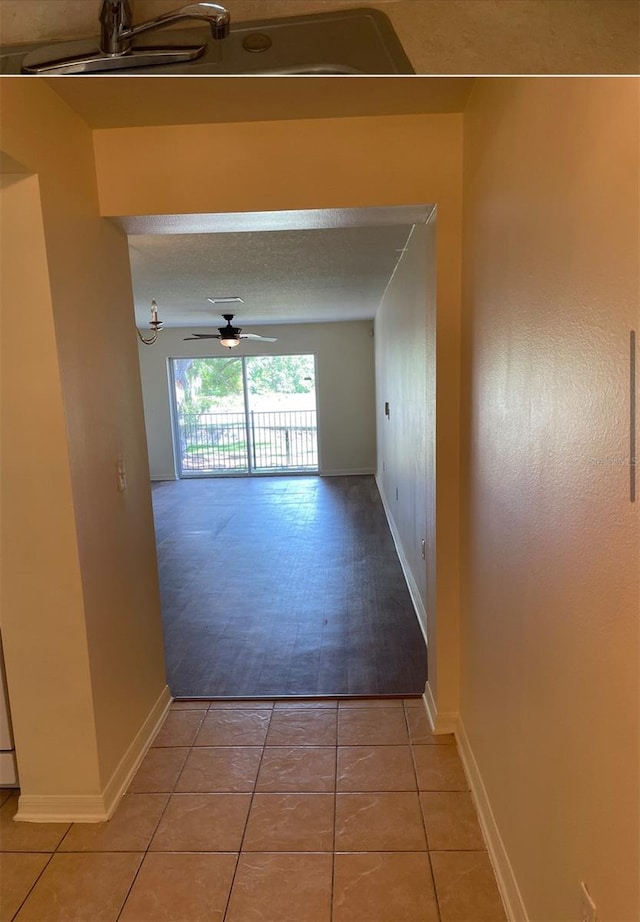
x=230 y=341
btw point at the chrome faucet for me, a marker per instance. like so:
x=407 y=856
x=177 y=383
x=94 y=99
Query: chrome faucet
x=117 y=29
x=117 y=49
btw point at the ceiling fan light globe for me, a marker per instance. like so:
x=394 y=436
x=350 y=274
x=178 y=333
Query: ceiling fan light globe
x=229 y=341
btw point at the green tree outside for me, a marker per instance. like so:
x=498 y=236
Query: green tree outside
x=280 y=374
x=204 y=384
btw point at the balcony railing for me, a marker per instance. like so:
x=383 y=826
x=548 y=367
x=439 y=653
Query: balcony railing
x=213 y=443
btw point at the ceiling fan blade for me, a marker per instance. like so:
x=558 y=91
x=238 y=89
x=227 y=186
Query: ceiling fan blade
x=202 y=336
x=257 y=338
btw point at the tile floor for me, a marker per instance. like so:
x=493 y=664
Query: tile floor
x=318 y=811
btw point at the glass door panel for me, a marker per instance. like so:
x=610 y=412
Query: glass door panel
x=244 y=415
x=281 y=401
x=210 y=418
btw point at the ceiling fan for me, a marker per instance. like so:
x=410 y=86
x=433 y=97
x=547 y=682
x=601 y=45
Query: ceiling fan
x=230 y=336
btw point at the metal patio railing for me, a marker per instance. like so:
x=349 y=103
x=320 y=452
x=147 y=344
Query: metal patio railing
x=213 y=443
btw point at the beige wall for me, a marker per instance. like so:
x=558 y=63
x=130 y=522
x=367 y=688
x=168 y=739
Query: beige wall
x=439 y=36
x=405 y=333
x=549 y=651
x=42 y=616
x=271 y=166
x=82 y=578
x=344 y=389
x=410 y=451
x=280 y=165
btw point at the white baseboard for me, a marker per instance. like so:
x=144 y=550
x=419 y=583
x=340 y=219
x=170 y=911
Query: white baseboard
x=439 y=721
x=506 y=880
x=122 y=776
x=61 y=808
x=416 y=598
x=96 y=808
x=505 y=877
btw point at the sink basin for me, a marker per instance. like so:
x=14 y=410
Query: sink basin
x=360 y=41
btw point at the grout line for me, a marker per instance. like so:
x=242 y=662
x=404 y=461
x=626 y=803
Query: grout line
x=246 y=824
x=413 y=761
x=32 y=887
x=151 y=837
x=168 y=801
x=424 y=823
x=435 y=889
x=63 y=838
x=335 y=814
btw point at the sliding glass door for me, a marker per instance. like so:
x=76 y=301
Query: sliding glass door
x=245 y=415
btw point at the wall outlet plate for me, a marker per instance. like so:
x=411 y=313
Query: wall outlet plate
x=587 y=906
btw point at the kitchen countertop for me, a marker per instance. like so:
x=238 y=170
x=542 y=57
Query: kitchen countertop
x=518 y=36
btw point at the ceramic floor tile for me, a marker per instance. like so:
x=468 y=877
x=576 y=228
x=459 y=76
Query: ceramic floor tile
x=306 y=703
x=298 y=769
x=375 y=768
x=466 y=887
x=176 y=888
x=439 y=768
x=202 y=823
x=179 y=728
x=379 y=822
x=451 y=821
x=130 y=829
x=234 y=727
x=190 y=704
x=241 y=704
x=18 y=874
x=221 y=769
x=158 y=771
x=383 y=887
x=281 y=888
x=420 y=729
x=413 y=703
x=296 y=727
x=370 y=703
x=81 y=888
x=290 y=823
x=372 y=727
x=27 y=837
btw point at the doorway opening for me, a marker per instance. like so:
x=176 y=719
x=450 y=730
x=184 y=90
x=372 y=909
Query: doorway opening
x=245 y=415
x=293 y=585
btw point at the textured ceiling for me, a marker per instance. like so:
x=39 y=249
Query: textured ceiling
x=289 y=276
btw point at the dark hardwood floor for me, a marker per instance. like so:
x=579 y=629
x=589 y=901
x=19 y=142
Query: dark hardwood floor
x=279 y=586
